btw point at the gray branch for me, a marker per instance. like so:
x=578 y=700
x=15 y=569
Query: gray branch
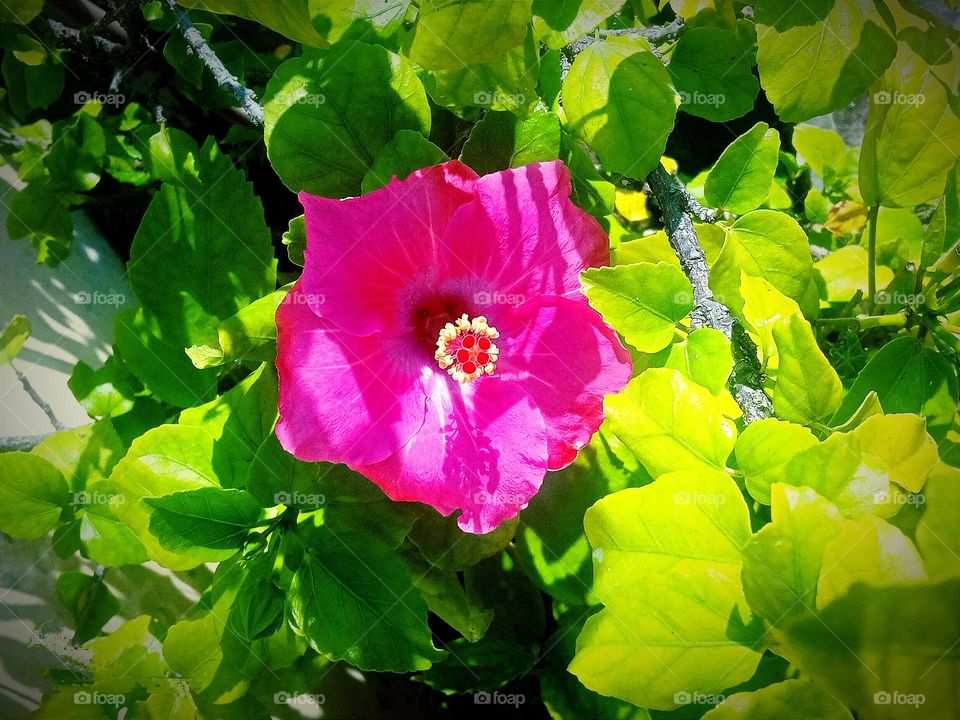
x=251 y=107
x=655 y=35
x=746 y=381
x=34 y=395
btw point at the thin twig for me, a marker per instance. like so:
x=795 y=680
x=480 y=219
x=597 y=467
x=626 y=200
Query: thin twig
x=746 y=381
x=80 y=41
x=31 y=391
x=657 y=34
x=23 y=443
x=251 y=107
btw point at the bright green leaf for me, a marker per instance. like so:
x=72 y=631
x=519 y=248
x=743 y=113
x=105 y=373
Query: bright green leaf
x=740 y=180
x=644 y=302
x=618 y=97
x=327 y=115
x=32 y=495
x=671 y=423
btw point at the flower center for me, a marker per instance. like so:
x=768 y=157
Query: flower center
x=465 y=348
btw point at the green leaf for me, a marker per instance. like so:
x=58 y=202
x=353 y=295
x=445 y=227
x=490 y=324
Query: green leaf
x=295 y=238
x=763 y=244
x=890 y=652
x=511 y=645
x=815 y=60
x=84 y=456
x=907 y=378
x=740 y=181
x=451 y=34
x=501 y=140
x=563 y=695
x=166 y=460
x=903 y=169
x=671 y=423
x=782 y=562
x=358 y=19
x=75 y=159
x=560 y=22
x=37 y=214
x=248 y=336
x=156 y=356
x=508 y=82
x=845 y=271
x=444 y=545
x=938 y=532
x=406 y=152
x=550 y=543
x=239 y=421
x=644 y=302
x=292 y=18
x=173 y=156
x=618 y=97
x=20 y=11
x=667 y=563
x=207 y=518
x=13 y=337
x=32 y=495
x=854 y=469
x=796 y=699
x=372 y=630
x=327 y=115
x=867 y=550
x=763 y=450
x=712 y=73
x=449 y=600
x=110 y=390
x=89 y=602
x=106 y=539
x=825 y=152
x=191 y=233
x=704 y=356
x=806 y=388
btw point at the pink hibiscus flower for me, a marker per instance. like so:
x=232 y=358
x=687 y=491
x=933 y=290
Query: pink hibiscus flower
x=438 y=341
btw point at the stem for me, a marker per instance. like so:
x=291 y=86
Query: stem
x=872 y=258
x=249 y=105
x=746 y=381
x=865 y=322
x=47 y=410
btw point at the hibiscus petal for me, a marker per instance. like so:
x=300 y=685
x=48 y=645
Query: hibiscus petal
x=523 y=237
x=567 y=359
x=364 y=252
x=343 y=398
x=482 y=449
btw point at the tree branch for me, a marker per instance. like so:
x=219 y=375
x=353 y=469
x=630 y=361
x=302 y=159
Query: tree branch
x=746 y=381
x=657 y=34
x=251 y=107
